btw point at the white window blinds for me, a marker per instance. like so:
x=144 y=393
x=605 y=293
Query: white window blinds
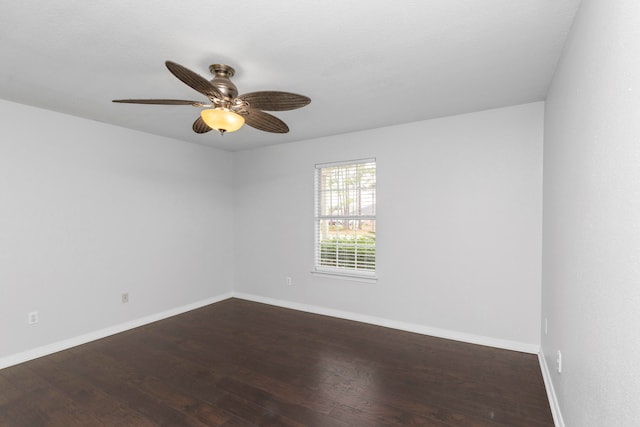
x=345 y=219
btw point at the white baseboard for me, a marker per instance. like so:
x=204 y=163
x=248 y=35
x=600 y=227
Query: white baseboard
x=394 y=324
x=379 y=321
x=17 y=358
x=551 y=393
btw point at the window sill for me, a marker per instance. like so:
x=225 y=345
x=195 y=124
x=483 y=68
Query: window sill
x=354 y=277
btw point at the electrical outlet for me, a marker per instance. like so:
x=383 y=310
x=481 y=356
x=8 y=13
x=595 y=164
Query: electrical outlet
x=559 y=362
x=33 y=317
x=125 y=298
x=288 y=281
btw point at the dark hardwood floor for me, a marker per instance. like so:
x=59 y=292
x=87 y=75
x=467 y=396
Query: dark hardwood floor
x=239 y=363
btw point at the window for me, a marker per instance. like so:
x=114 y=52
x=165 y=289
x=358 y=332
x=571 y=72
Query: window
x=345 y=218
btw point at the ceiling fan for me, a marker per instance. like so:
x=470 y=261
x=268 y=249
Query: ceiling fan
x=226 y=111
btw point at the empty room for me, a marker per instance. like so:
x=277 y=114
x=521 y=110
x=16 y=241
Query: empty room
x=296 y=213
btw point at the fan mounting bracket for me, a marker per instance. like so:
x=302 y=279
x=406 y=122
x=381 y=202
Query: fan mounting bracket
x=222 y=70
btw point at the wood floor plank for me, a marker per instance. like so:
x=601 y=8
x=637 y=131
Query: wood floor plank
x=238 y=363
x=43 y=403
x=108 y=409
x=133 y=387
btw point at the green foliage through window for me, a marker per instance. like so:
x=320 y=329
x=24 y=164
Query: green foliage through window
x=359 y=254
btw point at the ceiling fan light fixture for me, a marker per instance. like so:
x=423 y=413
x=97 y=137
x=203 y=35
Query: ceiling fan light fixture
x=222 y=119
x=224 y=101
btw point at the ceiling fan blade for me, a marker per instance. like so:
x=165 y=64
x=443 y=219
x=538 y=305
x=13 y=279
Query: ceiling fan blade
x=194 y=80
x=199 y=126
x=275 y=101
x=160 y=102
x=264 y=121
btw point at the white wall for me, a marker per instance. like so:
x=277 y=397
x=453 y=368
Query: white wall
x=591 y=261
x=459 y=224
x=89 y=211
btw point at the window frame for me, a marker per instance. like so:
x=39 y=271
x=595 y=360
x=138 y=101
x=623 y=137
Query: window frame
x=342 y=272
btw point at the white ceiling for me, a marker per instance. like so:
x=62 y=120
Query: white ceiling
x=364 y=64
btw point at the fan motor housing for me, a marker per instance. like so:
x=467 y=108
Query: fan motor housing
x=222 y=73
